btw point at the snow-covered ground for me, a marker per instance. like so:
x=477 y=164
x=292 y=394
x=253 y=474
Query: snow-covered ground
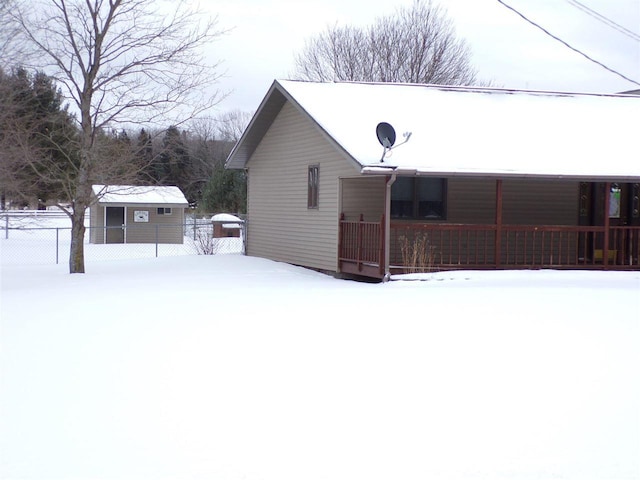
x=237 y=368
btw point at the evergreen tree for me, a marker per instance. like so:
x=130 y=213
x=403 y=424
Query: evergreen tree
x=226 y=191
x=144 y=157
x=38 y=138
x=174 y=161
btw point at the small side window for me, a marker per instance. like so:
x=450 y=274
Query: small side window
x=314 y=184
x=164 y=210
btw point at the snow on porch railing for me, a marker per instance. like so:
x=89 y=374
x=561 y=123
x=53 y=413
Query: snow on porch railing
x=361 y=246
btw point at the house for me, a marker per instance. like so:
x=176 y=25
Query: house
x=477 y=178
x=134 y=214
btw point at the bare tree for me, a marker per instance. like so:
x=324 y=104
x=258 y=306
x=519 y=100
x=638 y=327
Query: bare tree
x=210 y=143
x=121 y=62
x=417 y=44
x=13 y=52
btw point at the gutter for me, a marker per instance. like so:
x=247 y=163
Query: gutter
x=387 y=228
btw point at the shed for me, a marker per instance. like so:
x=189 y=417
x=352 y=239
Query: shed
x=489 y=178
x=226 y=225
x=137 y=214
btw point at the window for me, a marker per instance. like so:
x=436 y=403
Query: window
x=418 y=198
x=164 y=211
x=313 y=190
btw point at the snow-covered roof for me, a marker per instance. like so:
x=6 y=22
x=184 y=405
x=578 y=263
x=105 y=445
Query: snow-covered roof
x=463 y=130
x=140 y=195
x=225 y=217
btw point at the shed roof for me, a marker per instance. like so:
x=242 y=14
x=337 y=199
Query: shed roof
x=160 y=195
x=464 y=130
x=226 y=217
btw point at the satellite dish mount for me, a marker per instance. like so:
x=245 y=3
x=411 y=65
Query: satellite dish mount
x=387 y=137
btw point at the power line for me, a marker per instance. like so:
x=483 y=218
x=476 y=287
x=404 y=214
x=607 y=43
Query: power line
x=605 y=20
x=569 y=46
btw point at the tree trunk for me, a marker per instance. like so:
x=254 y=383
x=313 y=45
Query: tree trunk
x=76 y=255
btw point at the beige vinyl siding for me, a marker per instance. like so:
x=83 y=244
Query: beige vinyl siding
x=279 y=225
x=525 y=202
x=363 y=196
x=96 y=222
x=538 y=202
x=170 y=227
x=471 y=200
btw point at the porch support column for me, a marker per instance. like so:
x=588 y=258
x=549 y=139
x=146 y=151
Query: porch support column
x=498 y=245
x=607 y=221
x=387 y=227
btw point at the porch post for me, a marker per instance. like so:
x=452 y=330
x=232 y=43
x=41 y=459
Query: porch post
x=605 y=246
x=498 y=245
x=387 y=227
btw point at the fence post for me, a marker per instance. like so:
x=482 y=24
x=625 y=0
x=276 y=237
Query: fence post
x=195 y=225
x=156 y=241
x=57 y=244
x=6 y=226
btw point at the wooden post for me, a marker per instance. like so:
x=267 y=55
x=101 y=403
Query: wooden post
x=390 y=180
x=498 y=240
x=382 y=246
x=340 y=239
x=359 y=254
x=605 y=246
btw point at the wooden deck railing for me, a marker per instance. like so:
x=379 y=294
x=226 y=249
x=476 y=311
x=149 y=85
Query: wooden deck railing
x=361 y=247
x=456 y=246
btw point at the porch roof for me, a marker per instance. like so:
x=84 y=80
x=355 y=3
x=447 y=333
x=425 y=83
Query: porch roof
x=465 y=131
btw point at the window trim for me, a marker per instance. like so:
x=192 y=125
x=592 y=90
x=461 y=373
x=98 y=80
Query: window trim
x=313 y=187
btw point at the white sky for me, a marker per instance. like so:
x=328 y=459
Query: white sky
x=266 y=34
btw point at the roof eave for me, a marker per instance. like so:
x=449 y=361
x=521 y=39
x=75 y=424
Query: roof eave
x=262 y=120
x=265 y=115
x=412 y=172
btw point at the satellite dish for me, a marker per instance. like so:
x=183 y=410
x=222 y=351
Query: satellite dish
x=386 y=134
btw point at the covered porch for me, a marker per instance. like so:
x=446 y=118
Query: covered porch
x=378 y=247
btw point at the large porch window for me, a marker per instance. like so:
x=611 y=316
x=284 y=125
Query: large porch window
x=418 y=198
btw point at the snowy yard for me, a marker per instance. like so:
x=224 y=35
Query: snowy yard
x=237 y=368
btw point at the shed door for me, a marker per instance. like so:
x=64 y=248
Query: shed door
x=115 y=225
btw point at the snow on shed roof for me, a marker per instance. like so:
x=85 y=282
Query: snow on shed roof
x=464 y=130
x=226 y=217
x=140 y=195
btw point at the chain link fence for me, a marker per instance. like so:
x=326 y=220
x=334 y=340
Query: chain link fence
x=41 y=237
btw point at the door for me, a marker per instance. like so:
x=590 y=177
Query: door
x=624 y=211
x=115 y=225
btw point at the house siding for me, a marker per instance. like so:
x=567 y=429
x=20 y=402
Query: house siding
x=363 y=196
x=471 y=201
x=537 y=202
x=525 y=202
x=280 y=226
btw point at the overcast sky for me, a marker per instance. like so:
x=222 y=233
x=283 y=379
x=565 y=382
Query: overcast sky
x=266 y=34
